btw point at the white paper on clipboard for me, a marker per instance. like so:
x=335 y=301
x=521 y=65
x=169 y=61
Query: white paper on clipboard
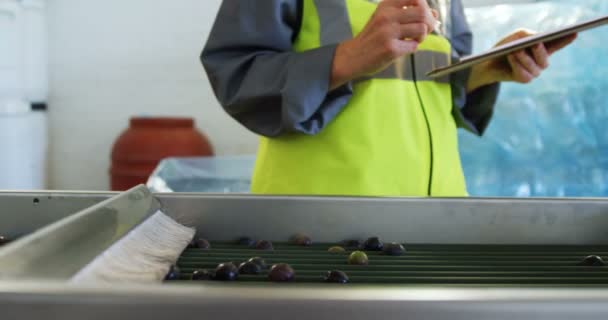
x=517 y=45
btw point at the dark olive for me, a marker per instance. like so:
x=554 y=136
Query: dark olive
x=264 y=245
x=192 y=244
x=202 y=243
x=336 y=276
x=259 y=261
x=394 y=249
x=250 y=267
x=358 y=258
x=281 y=272
x=353 y=244
x=592 y=261
x=301 y=239
x=173 y=273
x=4 y=240
x=373 y=244
x=246 y=241
x=226 y=272
x=199 y=275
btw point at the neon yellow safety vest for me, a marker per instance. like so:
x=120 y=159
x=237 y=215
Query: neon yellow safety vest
x=395 y=137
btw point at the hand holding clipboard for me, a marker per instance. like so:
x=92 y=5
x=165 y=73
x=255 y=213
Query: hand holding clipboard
x=506 y=49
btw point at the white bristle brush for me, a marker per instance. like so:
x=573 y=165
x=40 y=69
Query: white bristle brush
x=144 y=254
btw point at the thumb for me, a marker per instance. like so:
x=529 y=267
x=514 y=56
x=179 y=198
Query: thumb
x=435 y=13
x=518 y=34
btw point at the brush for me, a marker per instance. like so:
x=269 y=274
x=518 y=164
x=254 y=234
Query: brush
x=144 y=254
x=128 y=237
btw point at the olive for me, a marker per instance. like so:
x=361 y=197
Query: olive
x=202 y=243
x=4 y=240
x=199 y=275
x=264 y=245
x=259 y=261
x=192 y=244
x=226 y=272
x=249 y=267
x=592 y=261
x=173 y=273
x=301 y=239
x=358 y=258
x=353 y=244
x=281 y=272
x=336 y=249
x=373 y=244
x=246 y=241
x=336 y=276
x=394 y=249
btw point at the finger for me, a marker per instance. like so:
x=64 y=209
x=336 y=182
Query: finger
x=431 y=21
x=541 y=56
x=419 y=3
x=523 y=33
x=402 y=3
x=420 y=10
x=409 y=15
x=518 y=34
x=559 y=44
x=528 y=63
x=437 y=23
x=520 y=74
x=403 y=47
x=414 y=31
x=417 y=14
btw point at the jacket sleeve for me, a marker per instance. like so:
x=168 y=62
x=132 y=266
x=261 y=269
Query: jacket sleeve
x=257 y=77
x=472 y=111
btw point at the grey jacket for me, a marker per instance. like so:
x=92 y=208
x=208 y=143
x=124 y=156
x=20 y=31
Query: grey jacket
x=273 y=90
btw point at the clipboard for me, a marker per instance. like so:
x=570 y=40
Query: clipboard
x=517 y=45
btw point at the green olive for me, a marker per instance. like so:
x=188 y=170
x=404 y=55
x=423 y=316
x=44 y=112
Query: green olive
x=336 y=249
x=358 y=258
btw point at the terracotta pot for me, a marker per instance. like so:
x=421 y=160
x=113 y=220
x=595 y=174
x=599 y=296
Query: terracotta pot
x=139 y=149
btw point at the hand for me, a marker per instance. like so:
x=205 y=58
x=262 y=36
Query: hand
x=522 y=66
x=394 y=30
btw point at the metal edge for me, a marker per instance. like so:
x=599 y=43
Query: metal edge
x=84 y=193
x=365 y=199
x=203 y=290
x=57 y=192
x=62 y=248
x=232 y=302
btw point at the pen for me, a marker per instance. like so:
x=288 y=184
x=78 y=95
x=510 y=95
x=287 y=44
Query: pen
x=437 y=25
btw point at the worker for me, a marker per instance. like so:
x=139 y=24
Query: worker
x=338 y=92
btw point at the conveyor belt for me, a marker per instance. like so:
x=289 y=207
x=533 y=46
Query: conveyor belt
x=431 y=282
x=422 y=264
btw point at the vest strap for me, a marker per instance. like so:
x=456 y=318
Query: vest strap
x=334 y=20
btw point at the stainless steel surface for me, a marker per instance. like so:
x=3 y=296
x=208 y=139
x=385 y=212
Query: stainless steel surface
x=22 y=213
x=225 y=301
x=496 y=221
x=475 y=221
x=61 y=249
x=222 y=217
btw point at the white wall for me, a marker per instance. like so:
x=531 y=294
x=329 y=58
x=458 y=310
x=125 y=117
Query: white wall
x=112 y=59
